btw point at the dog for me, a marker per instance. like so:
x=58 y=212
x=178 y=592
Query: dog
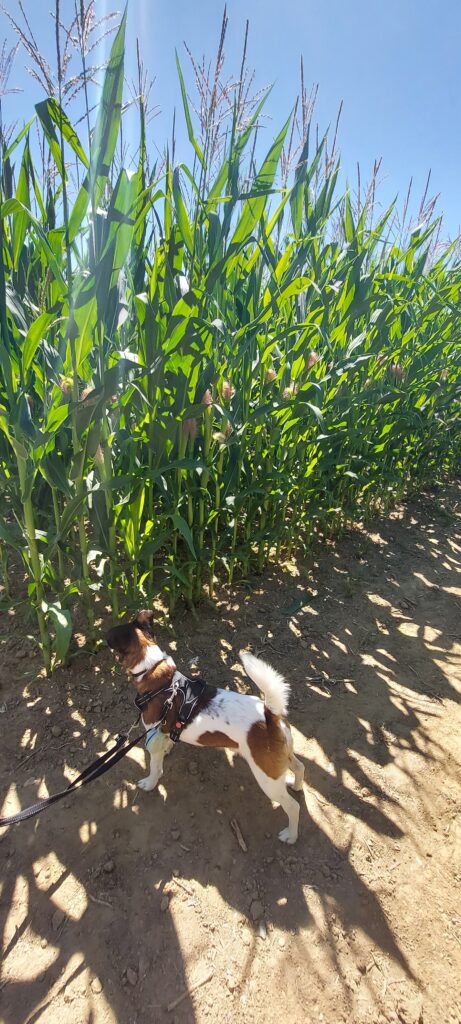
x=256 y=728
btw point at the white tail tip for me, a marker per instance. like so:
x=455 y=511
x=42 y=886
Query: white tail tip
x=274 y=687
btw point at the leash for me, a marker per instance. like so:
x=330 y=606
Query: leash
x=188 y=690
x=89 y=774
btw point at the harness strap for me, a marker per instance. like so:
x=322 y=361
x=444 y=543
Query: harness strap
x=143 y=699
x=93 y=771
x=187 y=691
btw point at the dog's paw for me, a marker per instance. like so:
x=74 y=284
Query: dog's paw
x=147 y=784
x=294 y=782
x=296 y=785
x=287 y=836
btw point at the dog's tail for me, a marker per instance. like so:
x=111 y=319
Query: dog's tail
x=276 y=691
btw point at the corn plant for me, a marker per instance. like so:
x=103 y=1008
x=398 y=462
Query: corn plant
x=203 y=367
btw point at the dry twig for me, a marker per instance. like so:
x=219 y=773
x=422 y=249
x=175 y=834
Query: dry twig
x=236 y=829
x=96 y=899
x=189 y=991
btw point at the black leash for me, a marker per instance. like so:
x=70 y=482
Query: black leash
x=188 y=690
x=93 y=771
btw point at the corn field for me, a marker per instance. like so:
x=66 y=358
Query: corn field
x=203 y=367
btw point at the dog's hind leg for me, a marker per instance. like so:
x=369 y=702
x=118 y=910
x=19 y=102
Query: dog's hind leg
x=295 y=777
x=157 y=747
x=276 y=790
x=298 y=772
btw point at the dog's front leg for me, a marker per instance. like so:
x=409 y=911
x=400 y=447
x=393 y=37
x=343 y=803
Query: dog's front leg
x=159 y=745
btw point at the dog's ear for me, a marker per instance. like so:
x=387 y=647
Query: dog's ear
x=144 y=620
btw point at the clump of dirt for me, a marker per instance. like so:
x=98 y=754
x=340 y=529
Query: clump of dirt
x=124 y=906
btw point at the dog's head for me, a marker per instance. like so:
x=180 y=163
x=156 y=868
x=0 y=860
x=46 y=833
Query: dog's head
x=131 y=640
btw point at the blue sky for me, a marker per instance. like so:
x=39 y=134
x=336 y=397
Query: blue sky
x=395 y=65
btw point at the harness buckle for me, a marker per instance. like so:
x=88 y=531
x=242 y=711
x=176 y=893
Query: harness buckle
x=176 y=730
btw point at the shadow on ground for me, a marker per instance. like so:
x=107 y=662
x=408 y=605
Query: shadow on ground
x=366 y=637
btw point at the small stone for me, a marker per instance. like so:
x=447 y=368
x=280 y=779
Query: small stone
x=109 y=867
x=282 y=943
x=256 y=910
x=193 y=768
x=282 y=902
x=44 y=943
x=58 y=919
x=175 y=834
x=132 y=976
x=144 y=965
x=231 y=983
x=56 y=731
x=164 y=903
x=262 y=930
x=246 y=937
x=96 y=985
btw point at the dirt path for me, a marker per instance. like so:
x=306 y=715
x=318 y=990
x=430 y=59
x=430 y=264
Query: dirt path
x=116 y=904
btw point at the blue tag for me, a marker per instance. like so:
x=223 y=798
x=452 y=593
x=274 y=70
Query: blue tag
x=150 y=734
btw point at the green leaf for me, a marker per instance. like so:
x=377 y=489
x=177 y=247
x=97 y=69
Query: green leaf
x=120 y=225
x=262 y=185
x=11 y=536
x=190 y=130
x=181 y=212
x=52 y=469
x=7 y=153
x=105 y=134
x=150 y=547
x=70 y=513
x=180 y=524
x=25 y=421
x=52 y=115
x=15 y=206
x=62 y=623
x=33 y=338
x=20 y=217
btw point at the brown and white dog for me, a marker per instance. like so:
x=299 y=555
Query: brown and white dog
x=254 y=727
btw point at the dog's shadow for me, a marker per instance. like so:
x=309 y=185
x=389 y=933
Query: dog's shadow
x=276 y=877
x=122 y=851
x=144 y=861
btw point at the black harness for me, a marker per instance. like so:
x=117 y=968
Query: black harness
x=182 y=689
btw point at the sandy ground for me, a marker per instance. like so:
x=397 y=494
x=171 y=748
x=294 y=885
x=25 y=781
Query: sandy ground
x=116 y=903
